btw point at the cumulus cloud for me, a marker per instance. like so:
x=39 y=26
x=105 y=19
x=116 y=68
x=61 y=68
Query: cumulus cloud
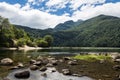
x=32 y=17
x=112 y=9
x=39 y=18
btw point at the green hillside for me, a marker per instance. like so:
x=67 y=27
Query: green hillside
x=10 y=36
x=100 y=31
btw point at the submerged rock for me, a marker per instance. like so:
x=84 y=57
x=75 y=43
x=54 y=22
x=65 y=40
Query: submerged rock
x=7 y=61
x=22 y=75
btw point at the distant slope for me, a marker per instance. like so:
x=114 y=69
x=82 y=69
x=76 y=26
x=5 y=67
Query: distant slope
x=100 y=31
x=35 y=32
x=67 y=25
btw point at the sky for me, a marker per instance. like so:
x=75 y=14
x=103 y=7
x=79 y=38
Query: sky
x=42 y=14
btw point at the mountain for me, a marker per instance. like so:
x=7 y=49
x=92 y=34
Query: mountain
x=67 y=25
x=99 y=31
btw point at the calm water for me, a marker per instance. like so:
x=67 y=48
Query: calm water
x=22 y=56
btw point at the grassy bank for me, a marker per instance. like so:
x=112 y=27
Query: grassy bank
x=92 y=57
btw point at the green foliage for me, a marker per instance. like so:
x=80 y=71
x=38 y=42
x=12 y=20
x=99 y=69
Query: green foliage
x=100 y=31
x=92 y=57
x=48 y=39
x=42 y=43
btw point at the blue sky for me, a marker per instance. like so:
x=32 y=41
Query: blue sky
x=48 y=13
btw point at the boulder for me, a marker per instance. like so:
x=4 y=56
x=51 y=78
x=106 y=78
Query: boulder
x=117 y=60
x=72 y=63
x=20 y=65
x=44 y=74
x=32 y=61
x=38 y=63
x=7 y=61
x=43 y=68
x=66 y=58
x=22 y=75
x=49 y=65
x=66 y=72
x=33 y=67
x=116 y=67
x=54 y=62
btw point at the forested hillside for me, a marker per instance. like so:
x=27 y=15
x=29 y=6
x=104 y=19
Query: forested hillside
x=100 y=31
x=11 y=36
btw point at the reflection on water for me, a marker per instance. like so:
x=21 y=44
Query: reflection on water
x=36 y=75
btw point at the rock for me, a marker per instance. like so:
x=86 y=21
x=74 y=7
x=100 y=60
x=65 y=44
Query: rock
x=66 y=58
x=38 y=63
x=116 y=67
x=32 y=61
x=49 y=65
x=72 y=63
x=46 y=61
x=44 y=74
x=53 y=70
x=20 y=65
x=117 y=60
x=61 y=60
x=22 y=75
x=7 y=61
x=14 y=67
x=43 y=68
x=54 y=62
x=115 y=56
x=117 y=77
x=66 y=72
x=33 y=67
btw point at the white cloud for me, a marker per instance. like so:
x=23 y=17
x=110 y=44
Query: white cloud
x=75 y=4
x=112 y=9
x=57 y=4
x=36 y=18
x=33 y=17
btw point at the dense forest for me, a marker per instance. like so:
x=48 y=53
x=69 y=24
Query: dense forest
x=11 y=36
x=100 y=31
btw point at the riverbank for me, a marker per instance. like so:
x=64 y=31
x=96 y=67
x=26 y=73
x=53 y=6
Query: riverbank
x=25 y=48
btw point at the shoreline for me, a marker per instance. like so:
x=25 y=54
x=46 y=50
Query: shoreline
x=27 y=48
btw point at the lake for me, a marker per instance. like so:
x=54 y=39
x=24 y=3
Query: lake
x=23 y=56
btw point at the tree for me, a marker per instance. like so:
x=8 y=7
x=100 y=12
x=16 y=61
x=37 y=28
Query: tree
x=48 y=39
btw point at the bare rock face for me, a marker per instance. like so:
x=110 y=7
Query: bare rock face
x=22 y=75
x=7 y=61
